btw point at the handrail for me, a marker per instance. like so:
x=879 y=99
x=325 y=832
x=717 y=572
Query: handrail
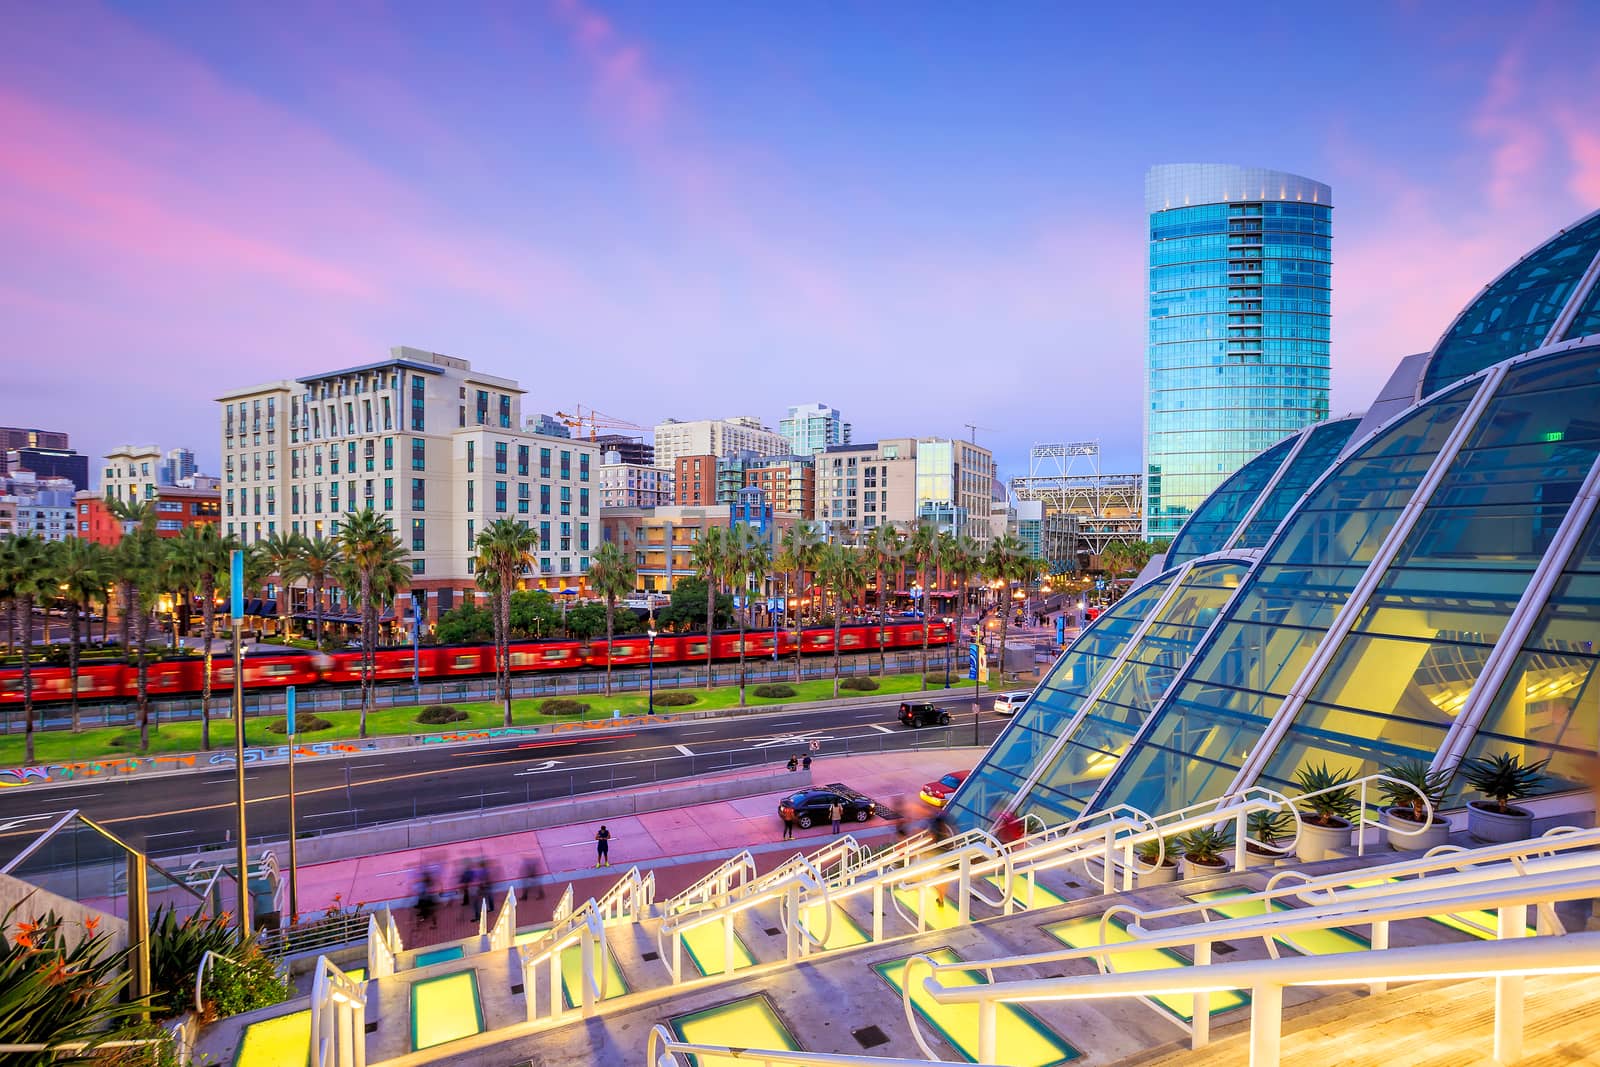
x=504 y=932
x=207 y=960
x=563 y=906
x=632 y=895
x=818 y=882
x=1362 y=822
x=664 y=1050
x=586 y=926
x=340 y=1039
x=716 y=882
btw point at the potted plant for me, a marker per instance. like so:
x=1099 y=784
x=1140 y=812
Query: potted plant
x=1264 y=834
x=1328 y=808
x=1406 y=813
x=1160 y=856
x=1501 y=779
x=1202 y=851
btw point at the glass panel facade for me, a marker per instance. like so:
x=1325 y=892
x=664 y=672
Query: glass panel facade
x=1518 y=310
x=1315 y=456
x=1033 y=729
x=1200 y=736
x=1587 y=320
x=1237 y=352
x=1213 y=523
x=1109 y=723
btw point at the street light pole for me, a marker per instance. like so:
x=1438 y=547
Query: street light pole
x=236 y=609
x=294 y=867
x=651 y=705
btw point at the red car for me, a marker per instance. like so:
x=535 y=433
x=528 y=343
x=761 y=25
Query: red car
x=936 y=793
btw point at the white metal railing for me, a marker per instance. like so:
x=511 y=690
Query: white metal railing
x=585 y=928
x=665 y=1050
x=504 y=931
x=631 y=897
x=563 y=906
x=1363 y=821
x=1509 y=961
x=383 y=944
x=338 y=1018
x=716 y=884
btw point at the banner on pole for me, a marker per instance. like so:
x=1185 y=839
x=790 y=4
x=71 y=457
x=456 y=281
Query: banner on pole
x=1061 y=629
x=289 y=712
x=236 y=585
x=974 y=661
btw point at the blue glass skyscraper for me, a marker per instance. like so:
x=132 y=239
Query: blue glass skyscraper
x=1240 y=272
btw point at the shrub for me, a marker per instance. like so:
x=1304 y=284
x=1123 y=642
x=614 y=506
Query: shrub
x=303 y=724
x=562 y=706
x=438 y=714
x=176 y=949
x=956 y=678
x=675 y=698
x=774 y=690
x=252 y=981
x=865 y=685
x=1203 y=845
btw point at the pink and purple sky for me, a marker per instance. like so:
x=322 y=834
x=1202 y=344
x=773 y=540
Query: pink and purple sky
x=924 y=214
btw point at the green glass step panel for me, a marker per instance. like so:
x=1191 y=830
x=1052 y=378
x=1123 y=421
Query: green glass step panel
x=937 y=918
x=355 y=974
x=438 y=955
x=531 y=934
x=1084 y=932
x=1041 y=896
x=445 y=1009
x=747 y=1023
x=1021 y=1040
x=844 y=933
x=705 y=946
x=1486 y=922
x=572 y=976
x=276 y=1042
x=1306 y=942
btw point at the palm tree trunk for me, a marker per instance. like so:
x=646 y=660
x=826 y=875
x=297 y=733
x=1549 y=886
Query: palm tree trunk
x=125 y=624
x=316 y=591
x=788 y=601
x=741 y=655
x=504 y=621
x=72 y=661
x=611 y=609
x=711 y=613
x=23 y=606
x=883 y=622
x=141 y=627
x=926 y=600
x=366 y=646
x=208 y=622
x=838 y=612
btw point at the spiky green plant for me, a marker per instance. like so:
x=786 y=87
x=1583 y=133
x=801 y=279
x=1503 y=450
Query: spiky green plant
x=58 y=988
x=1332 y=805
x=1503 y=778
x=1420 y=780
x=1204 y=845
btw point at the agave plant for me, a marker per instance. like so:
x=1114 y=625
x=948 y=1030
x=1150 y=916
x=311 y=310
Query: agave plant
x=1203 y=845
x=1503 y=778
x=1157 y=850
x=1330 y=805
x=1419 y=780
x=1267 y=828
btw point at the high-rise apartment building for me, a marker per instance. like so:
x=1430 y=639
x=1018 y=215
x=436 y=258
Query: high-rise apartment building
x=810 y=428
x=715 y=437
x=131 y=472
x=789 y=483
x=19 y=437
x=1240 y=276
x=178 y=466
x=633 y=485
x=902 y=481
x=49 y=463
x=424 y=440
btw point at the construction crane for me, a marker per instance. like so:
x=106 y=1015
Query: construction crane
x=595 y=420
x=974 y=430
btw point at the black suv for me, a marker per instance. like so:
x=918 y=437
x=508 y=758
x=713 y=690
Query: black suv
x=914 y=715
x=810 y=806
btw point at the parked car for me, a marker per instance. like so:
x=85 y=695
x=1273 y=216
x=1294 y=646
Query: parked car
x=809 y=807
x=936 y=793
x=914 y=715
x=1011 y=703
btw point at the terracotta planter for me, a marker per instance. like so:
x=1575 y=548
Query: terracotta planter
x=1318 y=842
x=1167 y=872
x=1438 y=833
x=1191 y=869
x=1487 y=823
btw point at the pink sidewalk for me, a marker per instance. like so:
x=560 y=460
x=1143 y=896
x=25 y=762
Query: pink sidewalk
x=707 y=832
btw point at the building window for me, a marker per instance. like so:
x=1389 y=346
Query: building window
x=483 y=406
x=505 y=412
x=583 y=467
x=566 y=500
x=419 y=536
x=471 y=533
x=544 y=500
x=522 y=498
x=418 y=566
x=499 y=457
x=419 y=405
x=500 y=496
x=471 y=493
x=471 y=456
x=544 y=463
x=583 y=537
x=419 y=453
x=583 y=501
x=566 y=537
x=566 y=466
x=388 y=494
x=544 y=537
x=522 y=460
x=419 y=494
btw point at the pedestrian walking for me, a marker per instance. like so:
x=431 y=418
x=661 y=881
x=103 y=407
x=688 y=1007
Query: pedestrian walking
x=836 y=813
x=530 y=878
x=602 y=848
x=485 y=882
x=794 y=764
x=425 y=900
x=788 y=824
x=469 y=874
x=806 y=763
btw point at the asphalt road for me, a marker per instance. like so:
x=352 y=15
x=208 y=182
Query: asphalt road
x=184 y=812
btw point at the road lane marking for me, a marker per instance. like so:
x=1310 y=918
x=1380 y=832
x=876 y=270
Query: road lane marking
x=880 y=729
x=683 y=749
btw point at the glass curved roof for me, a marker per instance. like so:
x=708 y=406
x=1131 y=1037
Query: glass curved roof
x=1214 y=521
x=1518 y=310
x=1323 y=445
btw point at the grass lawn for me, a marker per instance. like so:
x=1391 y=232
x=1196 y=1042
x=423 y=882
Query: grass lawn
x=63 y=746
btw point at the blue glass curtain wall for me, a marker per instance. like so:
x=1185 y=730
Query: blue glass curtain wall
x=1213 y=522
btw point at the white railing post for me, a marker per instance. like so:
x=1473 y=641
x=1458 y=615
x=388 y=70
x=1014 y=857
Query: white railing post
x=1240 y=838
x=964 y=901
x=1510 y=923
x=791 y=948
x=877 y=910
x=1200 y=1023
x=1109 y=876
x=1266 y=1025
x=1380 y=941
x=555 y=985
x=586 y=946
x=727 y=942
x=988 y=1012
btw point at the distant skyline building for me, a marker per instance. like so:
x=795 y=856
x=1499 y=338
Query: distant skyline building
x=548 y=425
x=810 y=428
x=178 y=465
x=1239 y=282
x=715 y=437
x=21 y=437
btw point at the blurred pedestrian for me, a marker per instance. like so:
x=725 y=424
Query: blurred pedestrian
x=426 y=902
x=530 y=877
x=485 y=881
x=939 y=826
x=469 y=875
x=602 y=848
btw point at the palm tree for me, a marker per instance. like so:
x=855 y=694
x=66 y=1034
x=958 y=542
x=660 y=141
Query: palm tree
x=505 y=550
x=135 y=515
x=924 y=552
x=1007 y=561
x=211 y=552
x=281 y=554
x=886 y=551
x=611 y=574
x=25 y=576
x=797 y=555
x=139 y=560
x=370 y=550
x=179 y=576
x=81 y=572
x=315 y=563
x=707 y=561
x=745 y=553
x=844 y=571
x=961 y=557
